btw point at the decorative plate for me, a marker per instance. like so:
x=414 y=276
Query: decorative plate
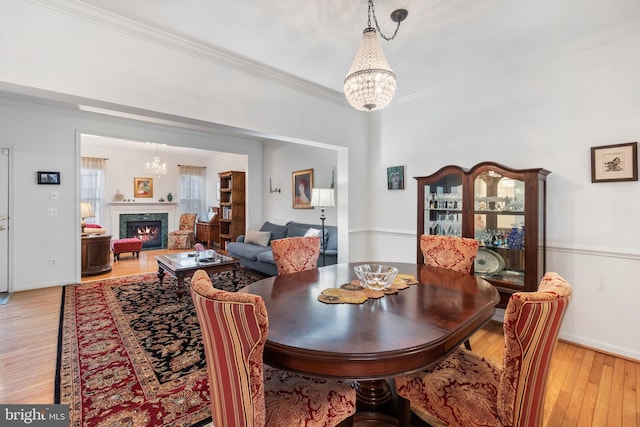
x=488 y=262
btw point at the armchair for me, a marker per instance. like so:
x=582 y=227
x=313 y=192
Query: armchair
x=185 y=236
x=246 y=392
x=469 y=390
x=293 y=254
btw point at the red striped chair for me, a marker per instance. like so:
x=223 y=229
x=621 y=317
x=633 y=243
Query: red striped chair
x=453 y=253
x=243 y=391
x=294 y=254
x=468 y=390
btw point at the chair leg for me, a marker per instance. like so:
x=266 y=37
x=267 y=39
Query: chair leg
x=467 y=345
x=404 y=412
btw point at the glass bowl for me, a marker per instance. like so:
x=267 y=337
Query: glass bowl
x=375 y=276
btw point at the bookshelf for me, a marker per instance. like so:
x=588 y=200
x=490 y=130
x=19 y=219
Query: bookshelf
x=232 y=206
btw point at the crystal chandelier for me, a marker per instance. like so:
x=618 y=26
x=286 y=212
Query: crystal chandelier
x=370 y=83
x=156 y=168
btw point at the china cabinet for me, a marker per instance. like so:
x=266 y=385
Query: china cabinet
x=232 y=206
x=503 y=208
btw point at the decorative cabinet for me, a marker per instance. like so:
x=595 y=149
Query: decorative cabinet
x=503 y=208
x=232 y=206
x=96 y=251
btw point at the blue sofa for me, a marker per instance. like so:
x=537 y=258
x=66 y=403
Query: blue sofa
x=260 y=258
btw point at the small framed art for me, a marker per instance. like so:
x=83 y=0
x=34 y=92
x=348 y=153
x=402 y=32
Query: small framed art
x=302 y=182
x=395 y=178
x=143 y=187
x=49 y=178
x=617 y=162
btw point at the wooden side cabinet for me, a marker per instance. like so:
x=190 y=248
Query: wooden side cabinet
x=208 y=231
x=503 y=208
x=96 y=252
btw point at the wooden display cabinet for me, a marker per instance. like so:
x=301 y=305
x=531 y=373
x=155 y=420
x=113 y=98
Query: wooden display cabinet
x=232 y=206
x=96 y=254
x=503 y=208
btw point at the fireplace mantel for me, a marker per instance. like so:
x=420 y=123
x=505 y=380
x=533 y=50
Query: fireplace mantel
x=118 y=208
x=142 y=203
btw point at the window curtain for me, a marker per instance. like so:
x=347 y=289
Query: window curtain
x=193 y=189
x=93 y=172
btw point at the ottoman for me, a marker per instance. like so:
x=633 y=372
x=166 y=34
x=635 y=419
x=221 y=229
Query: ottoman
x=119 y=246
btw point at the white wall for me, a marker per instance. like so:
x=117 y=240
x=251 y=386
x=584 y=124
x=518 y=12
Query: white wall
x=281 y=160
x=126 y=163
x=47 y=137
x=545 y=113
x=164 y=90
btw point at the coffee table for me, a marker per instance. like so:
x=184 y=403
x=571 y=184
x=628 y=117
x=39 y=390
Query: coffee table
x=182 y=265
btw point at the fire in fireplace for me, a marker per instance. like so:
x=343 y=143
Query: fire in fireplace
x=150 y=232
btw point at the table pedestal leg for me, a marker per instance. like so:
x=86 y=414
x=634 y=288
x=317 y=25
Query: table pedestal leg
x=375 y=402
x=373 y=394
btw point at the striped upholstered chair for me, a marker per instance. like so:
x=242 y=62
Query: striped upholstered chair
x=245 y=392
x=294 y=254
x=468 y=390
x=453 y=253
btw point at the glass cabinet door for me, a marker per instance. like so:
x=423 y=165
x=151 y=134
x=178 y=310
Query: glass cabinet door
x=499 y=223
x=443 y=206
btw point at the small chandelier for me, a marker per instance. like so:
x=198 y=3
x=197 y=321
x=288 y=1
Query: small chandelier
x=370 y=83
x=156 y=168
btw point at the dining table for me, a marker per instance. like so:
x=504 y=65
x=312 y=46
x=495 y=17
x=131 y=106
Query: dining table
x=372 y=341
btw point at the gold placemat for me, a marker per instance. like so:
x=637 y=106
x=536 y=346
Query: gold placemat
x=355 y=293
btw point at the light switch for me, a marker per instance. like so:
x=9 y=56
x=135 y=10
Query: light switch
x=52 y=212
x=53 y=195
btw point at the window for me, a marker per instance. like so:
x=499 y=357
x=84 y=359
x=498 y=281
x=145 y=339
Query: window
x=92 y=185
x=192 y=189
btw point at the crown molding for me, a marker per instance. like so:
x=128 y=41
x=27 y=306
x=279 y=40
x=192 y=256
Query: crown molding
x=187 y=46
x=629 y=29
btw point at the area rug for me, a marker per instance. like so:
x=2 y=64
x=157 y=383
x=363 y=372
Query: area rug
x=130 y=353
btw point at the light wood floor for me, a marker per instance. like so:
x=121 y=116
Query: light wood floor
x=586 y=388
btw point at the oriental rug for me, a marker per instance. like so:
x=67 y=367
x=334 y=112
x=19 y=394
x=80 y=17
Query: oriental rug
x=130 y=353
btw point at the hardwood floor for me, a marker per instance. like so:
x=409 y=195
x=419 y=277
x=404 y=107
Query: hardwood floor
x=586 y=388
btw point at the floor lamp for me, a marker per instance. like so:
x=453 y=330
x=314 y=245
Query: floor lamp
x=323 y=198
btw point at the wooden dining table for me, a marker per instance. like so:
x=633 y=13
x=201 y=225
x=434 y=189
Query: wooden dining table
x=374 y=341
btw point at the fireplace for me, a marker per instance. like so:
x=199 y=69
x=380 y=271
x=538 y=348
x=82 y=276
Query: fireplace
x=151 y=228
x=150 y=232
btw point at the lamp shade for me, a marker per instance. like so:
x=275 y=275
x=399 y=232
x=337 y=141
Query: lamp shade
x=322 y=197
x=86 y=211
x=370 y=83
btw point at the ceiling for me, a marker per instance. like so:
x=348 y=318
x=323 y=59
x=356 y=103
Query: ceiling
x=439 y=42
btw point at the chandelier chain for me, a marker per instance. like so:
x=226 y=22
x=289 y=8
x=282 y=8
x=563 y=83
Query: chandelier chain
x=372 y=11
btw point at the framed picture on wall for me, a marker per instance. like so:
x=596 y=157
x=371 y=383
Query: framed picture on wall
x=49 y=178
x=143 y=187
x=617 y=162
x=302 y=182
x=395 y=178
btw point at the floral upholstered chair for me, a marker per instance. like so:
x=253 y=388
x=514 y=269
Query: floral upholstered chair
x=468 y=390
x=245 y=392
x=453 y=253
x=185 y=236
x=294 y=254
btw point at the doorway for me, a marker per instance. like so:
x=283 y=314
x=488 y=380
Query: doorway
x=4 y=220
